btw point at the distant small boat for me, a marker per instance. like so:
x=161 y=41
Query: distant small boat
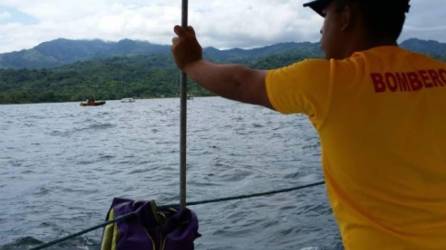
x=92 y=102
x=127 y=100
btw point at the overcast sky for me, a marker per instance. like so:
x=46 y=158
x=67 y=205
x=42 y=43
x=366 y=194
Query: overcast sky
x=219 y=23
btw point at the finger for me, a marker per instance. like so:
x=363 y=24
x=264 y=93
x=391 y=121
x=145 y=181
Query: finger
x=190 y=30
x=175 y=40
x=179 y=30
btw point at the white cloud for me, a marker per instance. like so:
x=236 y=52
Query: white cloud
x=222 y=24
x=253 y=23
x=4 y=15
x=425 y=20
x=85 y=19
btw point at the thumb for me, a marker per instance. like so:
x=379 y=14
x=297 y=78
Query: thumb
x=180 y=31
x=190 y=30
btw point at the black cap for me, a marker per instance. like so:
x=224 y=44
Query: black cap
x=320 y=5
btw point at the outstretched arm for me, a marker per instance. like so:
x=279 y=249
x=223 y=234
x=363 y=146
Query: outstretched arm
x=231 y=81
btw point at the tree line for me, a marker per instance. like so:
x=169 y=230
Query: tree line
x=110 y=79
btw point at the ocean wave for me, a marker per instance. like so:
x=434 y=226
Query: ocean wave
x=81 y=160
x=90 y=127
x=22 y=243
x=80 y=243
x=97 y=126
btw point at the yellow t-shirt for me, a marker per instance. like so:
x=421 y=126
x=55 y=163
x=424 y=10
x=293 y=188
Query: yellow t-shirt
x=381 y=118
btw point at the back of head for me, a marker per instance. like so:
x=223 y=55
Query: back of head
x=383 y=19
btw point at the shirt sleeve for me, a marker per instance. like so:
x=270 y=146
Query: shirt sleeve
x=303 y=87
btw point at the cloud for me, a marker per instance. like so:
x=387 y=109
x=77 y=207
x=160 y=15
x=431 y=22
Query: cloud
x=254 y=23
x=424 y=20
x=222 y=24
x=88 y=19
x=12 y=15
x=4 y=15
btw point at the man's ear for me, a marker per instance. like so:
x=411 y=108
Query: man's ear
x=346 y=18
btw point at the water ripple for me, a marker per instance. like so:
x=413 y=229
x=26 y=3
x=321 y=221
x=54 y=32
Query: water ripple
x=62 y=165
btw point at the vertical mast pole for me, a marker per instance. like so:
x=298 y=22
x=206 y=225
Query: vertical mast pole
x=183 y=117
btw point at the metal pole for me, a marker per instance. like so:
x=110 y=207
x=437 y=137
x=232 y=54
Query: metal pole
x=183 y=117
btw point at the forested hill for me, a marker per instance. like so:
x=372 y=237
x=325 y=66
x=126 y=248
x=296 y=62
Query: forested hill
x=62 y=52
x=430 y=47
x=113 y=78
x=134 y=69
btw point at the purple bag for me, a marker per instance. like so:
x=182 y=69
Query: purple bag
x=150 y=227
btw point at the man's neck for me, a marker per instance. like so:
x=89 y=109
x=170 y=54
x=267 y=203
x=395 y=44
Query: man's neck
x=364 y=44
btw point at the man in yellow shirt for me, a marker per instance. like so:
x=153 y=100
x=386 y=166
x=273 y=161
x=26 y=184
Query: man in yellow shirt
x=380 y=113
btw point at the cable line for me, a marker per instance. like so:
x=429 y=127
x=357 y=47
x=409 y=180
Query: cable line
x=194 y=203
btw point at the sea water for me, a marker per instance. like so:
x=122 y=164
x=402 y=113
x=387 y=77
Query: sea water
x=61 y=165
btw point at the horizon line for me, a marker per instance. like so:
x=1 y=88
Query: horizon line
x=221 y=49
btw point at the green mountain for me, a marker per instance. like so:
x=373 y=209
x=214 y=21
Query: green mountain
x=433 y=48
x=133 y=69
x=111 y=78
x=62 y=52
x=306 y=48
x=114 y=78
